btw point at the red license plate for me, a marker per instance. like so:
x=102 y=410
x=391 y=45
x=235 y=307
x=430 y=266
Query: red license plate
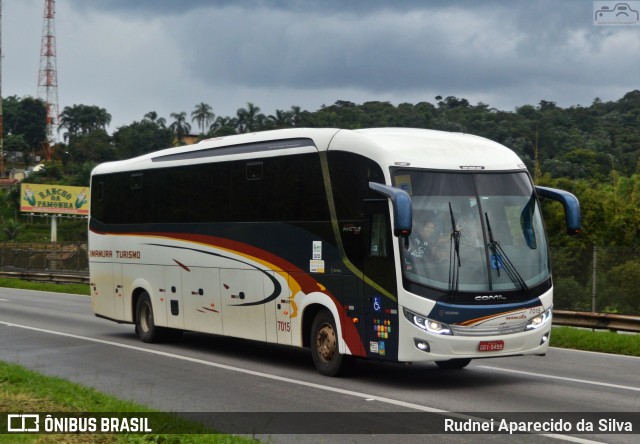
x=488 y=346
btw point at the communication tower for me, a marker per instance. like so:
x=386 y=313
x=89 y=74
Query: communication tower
x=1 y=119
x=48 y=75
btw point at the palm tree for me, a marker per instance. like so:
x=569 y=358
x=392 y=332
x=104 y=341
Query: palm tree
x=248 y=118
x=152 y=116
x=295 y=115
x=180 y=126
x=11 y=228
x=223 y=122
x=281 y=119
x=202 y=115
x=83 y=119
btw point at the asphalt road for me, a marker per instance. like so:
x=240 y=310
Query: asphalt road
x=57 y=334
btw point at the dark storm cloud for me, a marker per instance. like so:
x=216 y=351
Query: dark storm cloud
x=416 y=45
x=279 y=53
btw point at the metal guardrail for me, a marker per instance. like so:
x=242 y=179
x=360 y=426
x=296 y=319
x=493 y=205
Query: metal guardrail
x=605 y=321
x=55 y=277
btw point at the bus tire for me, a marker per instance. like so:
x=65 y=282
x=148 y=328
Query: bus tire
x=453 y=364
x=324 y=345
x=146 y=328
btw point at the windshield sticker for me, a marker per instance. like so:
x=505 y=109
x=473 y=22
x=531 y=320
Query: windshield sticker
x=496 y=261
x=316 y=266
x=404 y=183
x=317 y=250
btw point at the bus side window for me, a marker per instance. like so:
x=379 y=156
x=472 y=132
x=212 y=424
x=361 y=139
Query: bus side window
x=136 y=181
x=379 y=242
x=99 y=191
x=254 y=170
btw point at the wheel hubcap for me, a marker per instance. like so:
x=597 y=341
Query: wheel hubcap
x=146 y=317
x=326 y=342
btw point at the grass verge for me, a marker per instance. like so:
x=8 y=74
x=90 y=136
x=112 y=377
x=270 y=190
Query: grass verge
x=45 y=286
x=599 y=341
x=23 y=390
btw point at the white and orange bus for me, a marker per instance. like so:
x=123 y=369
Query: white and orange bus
x=393 y=244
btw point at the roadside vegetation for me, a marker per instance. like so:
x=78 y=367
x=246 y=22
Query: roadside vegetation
x=22 y=390
x=597 y=341
x=45 y=286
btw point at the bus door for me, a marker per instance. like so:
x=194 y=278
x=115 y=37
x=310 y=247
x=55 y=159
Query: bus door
x=279 y=310
x=380 y=294
x=243 y=305
x=173 y=297
x=201 y=296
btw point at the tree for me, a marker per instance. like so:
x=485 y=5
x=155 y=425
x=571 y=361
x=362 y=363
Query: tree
x=83 y=119
x=25 y=117
x=152 y=116
x=94 y=146
x=202 y=115
x=15 y=142
x=296 y=116
x=223 y=126
x=281 y=119
x=11 y=228
x=141 y=138
x=248 y=118
x=180 y=126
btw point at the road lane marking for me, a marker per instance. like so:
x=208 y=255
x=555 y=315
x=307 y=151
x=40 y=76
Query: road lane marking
x=604 y=354
x=364 y=396
x=560 y=378
x=235 y=369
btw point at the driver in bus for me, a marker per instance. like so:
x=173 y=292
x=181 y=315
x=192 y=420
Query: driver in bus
x=421 y=243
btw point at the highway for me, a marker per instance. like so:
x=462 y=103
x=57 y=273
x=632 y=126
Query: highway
x=57 y=334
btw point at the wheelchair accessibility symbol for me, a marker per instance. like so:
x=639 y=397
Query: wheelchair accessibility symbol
x=377 y=305
x=496 y=261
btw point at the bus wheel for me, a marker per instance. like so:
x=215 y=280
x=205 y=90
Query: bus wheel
x=453 y=364
x=324 y=344
x=145 y=326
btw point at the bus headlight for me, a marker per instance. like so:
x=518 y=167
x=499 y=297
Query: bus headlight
x=435 y=327
x=539 y=320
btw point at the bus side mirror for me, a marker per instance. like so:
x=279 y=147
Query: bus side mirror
x=571 y=207
x=402 y=212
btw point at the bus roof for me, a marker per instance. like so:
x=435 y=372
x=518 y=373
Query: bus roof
x=419 y=148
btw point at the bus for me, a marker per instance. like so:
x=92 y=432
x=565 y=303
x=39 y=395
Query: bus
x=392 y=244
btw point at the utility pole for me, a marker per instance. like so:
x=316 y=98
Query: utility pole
x=48 y=75
x=1 y=121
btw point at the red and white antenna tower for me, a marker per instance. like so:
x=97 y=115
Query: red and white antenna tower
x=48 y=75
x=1 y=118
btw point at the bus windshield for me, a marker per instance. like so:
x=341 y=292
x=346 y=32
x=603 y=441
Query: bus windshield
x=474 y=232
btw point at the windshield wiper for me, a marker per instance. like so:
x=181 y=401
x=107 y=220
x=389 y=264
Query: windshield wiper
x=454 y=263
x=501 y=260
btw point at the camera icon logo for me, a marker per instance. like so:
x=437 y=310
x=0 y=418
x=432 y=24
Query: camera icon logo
x=610 y=13
x=22 y=423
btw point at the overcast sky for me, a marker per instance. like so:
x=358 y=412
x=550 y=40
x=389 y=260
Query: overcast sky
x=135 y=56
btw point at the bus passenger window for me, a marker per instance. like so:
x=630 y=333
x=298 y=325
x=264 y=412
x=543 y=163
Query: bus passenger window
x=379 y=241
x=136 y=181
x=254 y=171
